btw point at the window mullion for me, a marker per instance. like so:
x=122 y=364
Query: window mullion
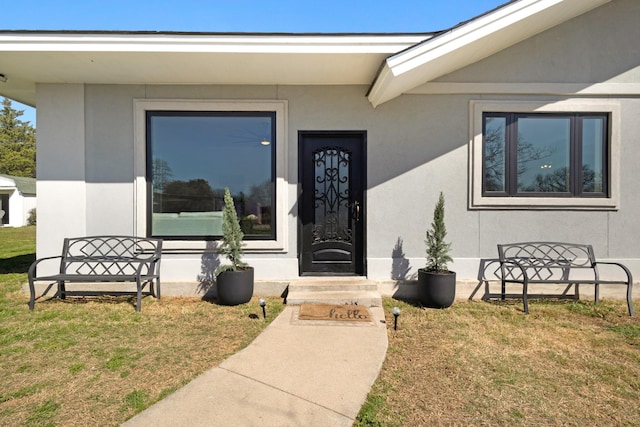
x=575 y=163
x=512 y=155
x=606 y=135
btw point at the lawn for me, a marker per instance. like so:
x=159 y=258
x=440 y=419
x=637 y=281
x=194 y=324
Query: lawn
x=487 y=364
x=95 y=361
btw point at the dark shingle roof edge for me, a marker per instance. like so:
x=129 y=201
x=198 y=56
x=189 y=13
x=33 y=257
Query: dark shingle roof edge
x=213 y=33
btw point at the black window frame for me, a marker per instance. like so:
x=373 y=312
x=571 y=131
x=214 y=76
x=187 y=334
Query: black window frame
x=208 y=113
x=575 y=154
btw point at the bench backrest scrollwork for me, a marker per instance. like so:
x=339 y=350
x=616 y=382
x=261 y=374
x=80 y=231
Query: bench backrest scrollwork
x=110 y=255
x=544 y=260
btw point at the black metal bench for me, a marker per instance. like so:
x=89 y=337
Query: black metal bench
x=556 y=263
x=103 y=259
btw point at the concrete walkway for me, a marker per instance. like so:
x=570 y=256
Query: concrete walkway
x=296 y=373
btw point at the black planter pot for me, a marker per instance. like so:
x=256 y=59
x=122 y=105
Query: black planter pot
x=235 y=287
x=436 y=290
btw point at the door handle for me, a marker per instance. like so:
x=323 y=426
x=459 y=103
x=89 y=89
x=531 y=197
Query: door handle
x=356 y=210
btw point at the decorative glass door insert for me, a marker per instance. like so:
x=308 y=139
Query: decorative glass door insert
x=331 y=205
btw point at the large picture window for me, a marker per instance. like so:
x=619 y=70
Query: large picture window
x=193 y=155
x=545 y=154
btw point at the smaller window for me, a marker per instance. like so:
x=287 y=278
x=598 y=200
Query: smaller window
x=545 y=155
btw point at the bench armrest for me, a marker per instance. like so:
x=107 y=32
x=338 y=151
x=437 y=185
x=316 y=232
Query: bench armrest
x=32 y=275
x=33 y=266
x=151 y=265
x=622 y=266
x=523 y=270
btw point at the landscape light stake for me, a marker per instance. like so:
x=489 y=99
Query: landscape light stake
x=396 y=313
x=263 y=304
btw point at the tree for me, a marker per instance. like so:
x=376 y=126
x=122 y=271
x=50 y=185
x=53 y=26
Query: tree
x=437 y=249
x=494 y=147
x=232 y=235
x=559 y=181
x=194 y=195
x=161 y=174
x=17 y=143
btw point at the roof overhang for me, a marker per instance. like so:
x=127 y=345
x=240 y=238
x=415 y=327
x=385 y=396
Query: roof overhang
x=408 y=60
x=471 y=42
x=31 y=57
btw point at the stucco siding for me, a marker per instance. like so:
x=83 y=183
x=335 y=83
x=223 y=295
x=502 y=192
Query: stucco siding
x=110 y=198
x=60 y=170
x=417 y=146
x=599 y=46
x=624 y=225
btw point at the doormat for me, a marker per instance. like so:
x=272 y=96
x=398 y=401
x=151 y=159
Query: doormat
x=343 y=313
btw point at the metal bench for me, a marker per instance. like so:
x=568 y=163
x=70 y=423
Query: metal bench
x=103 y=259
x=556 y=263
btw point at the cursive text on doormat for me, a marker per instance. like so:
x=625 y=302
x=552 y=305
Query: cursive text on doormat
x=345 y=313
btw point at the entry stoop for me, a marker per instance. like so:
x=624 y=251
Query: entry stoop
x=334 y=290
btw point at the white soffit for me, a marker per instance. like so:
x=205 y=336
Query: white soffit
x=31 y=57
x=470 y=42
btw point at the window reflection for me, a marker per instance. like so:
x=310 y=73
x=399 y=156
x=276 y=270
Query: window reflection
x=194 y=155
x=548 y=154
x=494 y=152
x=543 y=154
x=593 y=140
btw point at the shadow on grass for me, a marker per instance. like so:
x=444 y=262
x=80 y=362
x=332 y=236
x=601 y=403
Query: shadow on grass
x=16 y=264
x=102 y=297
x=409 y=301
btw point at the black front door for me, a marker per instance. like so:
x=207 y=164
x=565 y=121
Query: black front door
x=331 y=209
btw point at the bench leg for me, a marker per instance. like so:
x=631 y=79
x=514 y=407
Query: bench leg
x=504 y=290
x=596 y=297
x=139 y=295
x=32 y=294
x=629 y=300
x=62 y=291
x=157 y=288
x=525 y=301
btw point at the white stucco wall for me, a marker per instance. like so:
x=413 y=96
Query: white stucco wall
x=60 y=170
x=597 y=47
x=417 y=146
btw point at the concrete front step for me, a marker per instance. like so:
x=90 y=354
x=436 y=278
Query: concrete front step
x=332 y=290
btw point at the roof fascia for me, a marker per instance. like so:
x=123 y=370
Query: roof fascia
x=460 y=46
x=36 y=41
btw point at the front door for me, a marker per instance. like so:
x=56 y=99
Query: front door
x=332 y=176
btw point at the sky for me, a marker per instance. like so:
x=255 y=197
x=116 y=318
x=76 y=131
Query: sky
x=270 y=16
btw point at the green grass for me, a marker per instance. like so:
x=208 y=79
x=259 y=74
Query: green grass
x=96 y=362
x=44 y=414
x=17 y=249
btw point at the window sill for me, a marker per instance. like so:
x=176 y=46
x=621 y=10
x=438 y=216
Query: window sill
x=543 y=203
x=267 y=246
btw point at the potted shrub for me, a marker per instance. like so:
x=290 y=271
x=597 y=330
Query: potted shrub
x=234 y=281
x=436 y=284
